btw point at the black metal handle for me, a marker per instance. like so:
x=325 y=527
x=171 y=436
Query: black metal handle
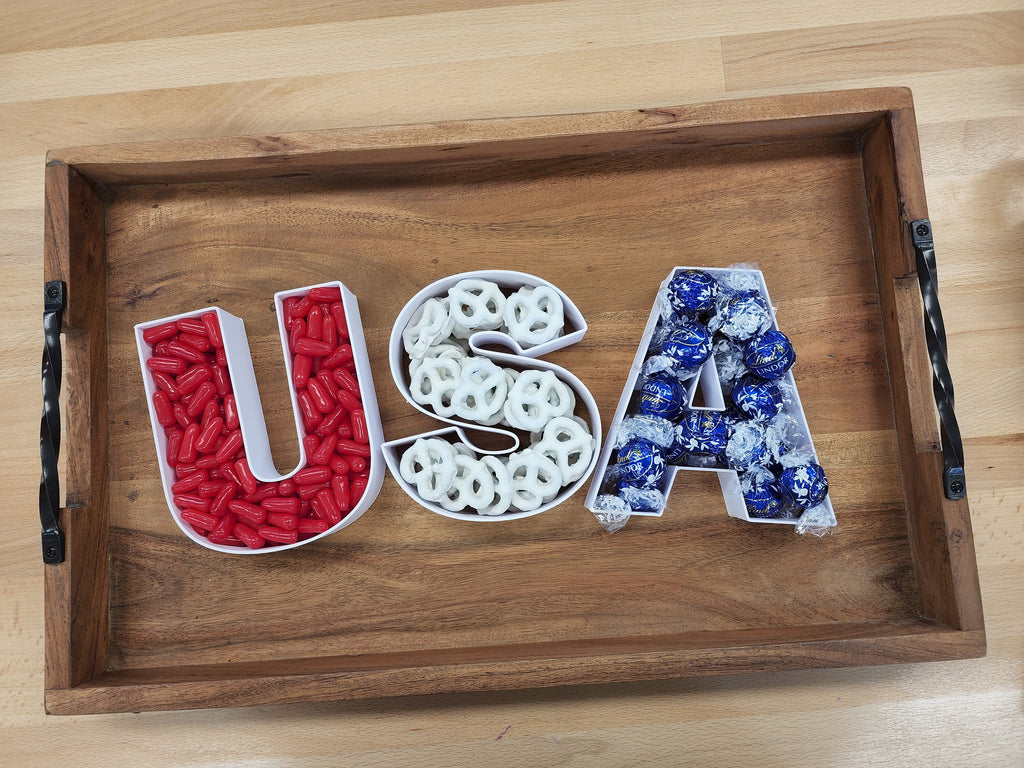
x=54 y=300
x=953 y=479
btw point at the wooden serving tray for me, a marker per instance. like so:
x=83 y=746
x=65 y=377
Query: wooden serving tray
x=816 y=189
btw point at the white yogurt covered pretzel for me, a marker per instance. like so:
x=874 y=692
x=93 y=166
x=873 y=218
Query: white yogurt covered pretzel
x=430 y=324
x=536 y=398
x=434 y=383
x=429 y=464
x=472 y=487
x=534 y=315
x=476 y=305
x=445 y=348
x=569 y=444
x=482 y=390
x=501 y=502
x=535 y=479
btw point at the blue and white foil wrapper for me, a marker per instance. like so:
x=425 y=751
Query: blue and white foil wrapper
x=654 y=429
x=747 y=447
x=689 y=345
x=692 y=291
x=641 y=463
x=769 y=355
x=804 y=485
x=764 y=499
x=757 y=399
x=662 y=395
x=729 y=362
x=641 y=499
x=611 y=512
x=742 y=316
x=704 y=432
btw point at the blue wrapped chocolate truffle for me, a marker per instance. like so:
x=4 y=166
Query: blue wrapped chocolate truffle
x=692 y=291
x=757 y=399
x=763 y=500
x=641 y=499
x=702 y=432
x=805 y=485
x=744 y=316
x=746 y=447
x=641 y=463
x=769 y=355
x=662 y=395
x=688 y=344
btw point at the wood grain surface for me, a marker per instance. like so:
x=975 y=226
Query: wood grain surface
x=116 y=72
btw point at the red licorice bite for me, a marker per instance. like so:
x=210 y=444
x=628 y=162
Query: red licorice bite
x=174 y=365
x=358 y=488
x=192 y=378
x=199 y=519
x=213 y=329
x=230 y=413
x=221 y=380
x=331 y=422
x=347 y=381
x=353 y=448
x=358 y=464
x=246 y=477
x=248 y=513
x=159 y=333
x=340 y=323
x=315 y=324
x=204 y=394
x=284 y=519
x=185 y=352
x=248 y=536
x=219 y=505
x=325 y=450
x=325 y=293
x=311 y=347
x=192 y=325
x=310 y=413
x=360 y=432
x=188 y=483
x=330 y=333
x=288 y=505
x=163 y=409
x=200 y=343
x=187 y=451
x=309 y=445
x=340 y=489
x=312 y=476
x=320 y=396
x=302 y=366
x=278 y=535
x=312 y=526
x=166 y=383
x=339 y=356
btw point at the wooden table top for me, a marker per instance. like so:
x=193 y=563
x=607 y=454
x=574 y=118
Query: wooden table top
x=116 y=71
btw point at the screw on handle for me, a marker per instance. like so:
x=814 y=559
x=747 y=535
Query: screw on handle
x=54 y=300
x=953 y=478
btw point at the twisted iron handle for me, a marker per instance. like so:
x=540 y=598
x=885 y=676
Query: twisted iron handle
x=953 y=479
x=54 y=300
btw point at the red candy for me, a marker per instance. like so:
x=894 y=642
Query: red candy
x=159 y=333
x=164 y=410
x=213 y=329
x=279 y=535
x=173 y=365
x=312 y=347
x=166 y=383
x=215 y=489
